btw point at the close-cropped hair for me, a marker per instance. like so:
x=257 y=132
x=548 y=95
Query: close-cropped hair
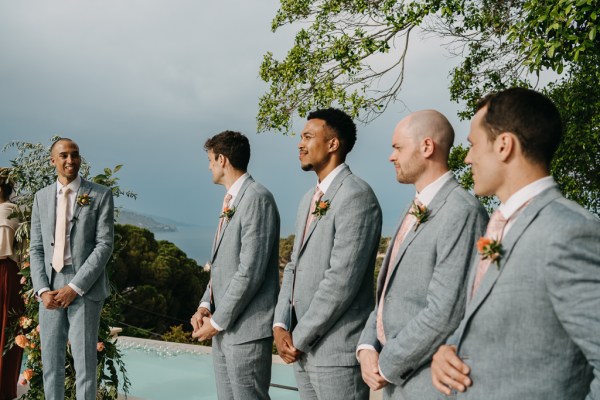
x=530 y=116
x=340 y=123
x=233 y=145
x=62 y=139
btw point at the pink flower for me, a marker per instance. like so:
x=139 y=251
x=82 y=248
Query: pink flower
x=21 y=341
x=28 y=374
x=23 y=280
x=100 y=346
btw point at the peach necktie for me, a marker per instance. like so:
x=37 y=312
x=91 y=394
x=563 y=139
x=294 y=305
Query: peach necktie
x=407 y=223
x=313 y=206
x=60 y=232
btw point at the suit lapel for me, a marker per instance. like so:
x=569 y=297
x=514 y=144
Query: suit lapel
x=51 y=200
x=436 y=204
x=528 y=215
x=329 y=195
x=84 y=188
x=235 y=204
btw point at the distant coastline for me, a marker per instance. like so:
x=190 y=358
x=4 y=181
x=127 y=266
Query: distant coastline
x=128 y=217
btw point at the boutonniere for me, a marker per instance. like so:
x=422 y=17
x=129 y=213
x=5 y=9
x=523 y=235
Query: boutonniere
x=490 y=250
x=420 y=212
x=227 y=213
x=84 y=200
x=321 y=208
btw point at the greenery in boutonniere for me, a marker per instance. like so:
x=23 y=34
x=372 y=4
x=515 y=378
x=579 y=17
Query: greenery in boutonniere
x=321 y=208
x=84 y=200
x=490 y=250
x=420 y=212
x=227 y=213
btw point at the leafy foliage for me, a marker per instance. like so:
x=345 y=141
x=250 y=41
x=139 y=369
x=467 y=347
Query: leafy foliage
x=31 y=171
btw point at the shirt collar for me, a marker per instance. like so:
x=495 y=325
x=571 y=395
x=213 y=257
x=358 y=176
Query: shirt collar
x=429 y=192
x=237 y=185
x=73 y=185
x=325 y=183
x=523 y=195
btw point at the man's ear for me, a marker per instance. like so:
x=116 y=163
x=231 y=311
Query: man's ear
x=427 y=147
x=505 y=145
x=334 y=144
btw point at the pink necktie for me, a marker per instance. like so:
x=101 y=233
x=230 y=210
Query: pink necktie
x=60 y=232
x=313 y=206
x=407 y=223
x=494 y=231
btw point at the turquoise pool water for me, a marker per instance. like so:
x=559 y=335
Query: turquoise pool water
x=165 y=374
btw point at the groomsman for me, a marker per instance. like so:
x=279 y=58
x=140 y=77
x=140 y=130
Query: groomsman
x=531 y=325
x=422 y=283
x=327 y=289
x=71 y=242
x=237 y=308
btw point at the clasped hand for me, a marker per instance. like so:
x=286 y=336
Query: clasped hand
x=285 y=345
x=203 y=329
x=61 y=298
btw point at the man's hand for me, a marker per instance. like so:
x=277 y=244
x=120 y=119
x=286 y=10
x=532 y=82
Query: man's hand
x=206 y=331
x=196 y=320
x=369 y=368
x=285 y=345
x=448 y=371
x=48 y=299
x=65 y=296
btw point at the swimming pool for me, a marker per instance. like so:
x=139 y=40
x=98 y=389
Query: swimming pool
x=162 y=370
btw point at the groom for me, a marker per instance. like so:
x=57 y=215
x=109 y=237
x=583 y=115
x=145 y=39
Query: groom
x=237 y=308
x=71 y=242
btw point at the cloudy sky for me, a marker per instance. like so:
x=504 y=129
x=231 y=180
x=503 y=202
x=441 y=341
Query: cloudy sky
x=145 y=82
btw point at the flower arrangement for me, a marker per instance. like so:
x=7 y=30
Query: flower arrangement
x=490 y=250
x=321 y=208
x=228 y=213
x=420 y=212
x=84 y=200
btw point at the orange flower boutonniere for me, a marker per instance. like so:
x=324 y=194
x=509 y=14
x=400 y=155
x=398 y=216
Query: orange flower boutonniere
x=227 y=213
x=490 y=250
x=420 y=212
x=321 y=208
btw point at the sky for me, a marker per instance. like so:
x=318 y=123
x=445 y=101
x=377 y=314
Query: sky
x=144 y=83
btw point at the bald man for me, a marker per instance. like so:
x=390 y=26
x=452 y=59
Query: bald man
x=422 y=283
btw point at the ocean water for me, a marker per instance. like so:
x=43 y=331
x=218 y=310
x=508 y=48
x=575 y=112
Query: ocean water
x=195 y=241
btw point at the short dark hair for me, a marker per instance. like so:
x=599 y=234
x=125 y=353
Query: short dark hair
x=6 y=183
x=340 y=123
x=232 y=145
x=60 y=139
x=530 y=116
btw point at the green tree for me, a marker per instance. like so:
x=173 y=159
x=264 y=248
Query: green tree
x=499 y=43
x=31 y=171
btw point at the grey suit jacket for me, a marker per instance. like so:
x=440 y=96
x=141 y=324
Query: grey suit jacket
x=425 y=296
x=91 y=239
x=532 y=330
x=245 y=267
x=331 y=272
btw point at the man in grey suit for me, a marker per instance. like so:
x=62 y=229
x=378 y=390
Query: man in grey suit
x=71 y=242
x=422 y=284
x=531 y=324
x=327 y=288
x=237 y=308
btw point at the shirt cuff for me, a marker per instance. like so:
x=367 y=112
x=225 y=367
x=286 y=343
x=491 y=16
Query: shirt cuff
x=281 y=325
x=363 y=347
x=215 y=325
x=75 y=288
x=42 y=290
x=205 y=304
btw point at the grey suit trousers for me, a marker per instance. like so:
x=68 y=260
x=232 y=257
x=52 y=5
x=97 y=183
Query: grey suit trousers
x=79 y=324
